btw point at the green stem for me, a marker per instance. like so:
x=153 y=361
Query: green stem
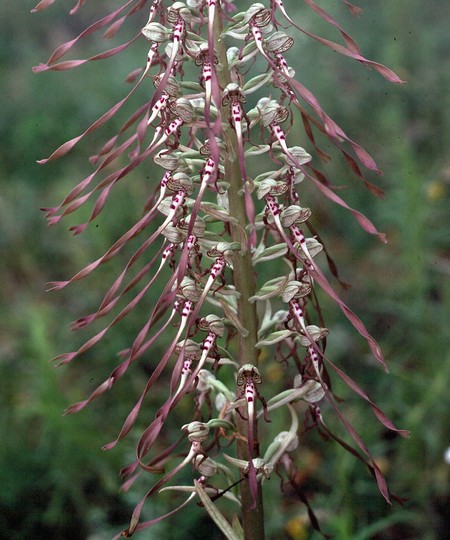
x=244 y=280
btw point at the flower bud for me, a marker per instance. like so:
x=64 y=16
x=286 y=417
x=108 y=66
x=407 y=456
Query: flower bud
x=197 y=431
x=205 y=380
x=278 y=42
x=178 y=9
x=300 y=154
x=172 y=234
x=212 y=323
x=190 y=348
x=199 y=226
x=252 y=11
x=315 y=333
x=172 y=86
x=314 y=393
x=265 y=186
x=271 y=111
x=269 y=186
x=170 y=162
x=205 y=466
x=188 y=289
x=268 y=109
x=165 y=207
x=156 y=32
x=293 y=444
x=263 y=20
x=294 y=214
x=313 y=246
x=233 y=57
x=280 y=188
x=225 y=250
x=295 y=289
x=253 y=84
x=180 y=54
x=180 y=181
x=184 y=109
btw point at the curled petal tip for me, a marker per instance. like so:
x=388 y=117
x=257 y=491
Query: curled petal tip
x=78 y=229
x=53 y=220
x=39 y=68
x=56 y=285
x=44 y=4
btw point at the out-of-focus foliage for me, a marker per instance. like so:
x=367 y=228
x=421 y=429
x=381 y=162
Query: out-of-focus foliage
x=55 y=480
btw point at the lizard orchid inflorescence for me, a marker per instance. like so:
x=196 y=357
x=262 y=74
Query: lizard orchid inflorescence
x=205 y=127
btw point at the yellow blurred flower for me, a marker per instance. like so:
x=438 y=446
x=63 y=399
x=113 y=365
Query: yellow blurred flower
x=297 y=528
x=436 y=190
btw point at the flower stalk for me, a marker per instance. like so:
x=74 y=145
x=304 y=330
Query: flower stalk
x=244 y=280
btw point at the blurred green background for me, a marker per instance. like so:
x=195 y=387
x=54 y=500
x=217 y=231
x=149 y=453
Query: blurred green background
x=55 y=481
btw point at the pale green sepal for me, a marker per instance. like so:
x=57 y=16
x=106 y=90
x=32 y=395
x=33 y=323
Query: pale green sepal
x=217 y=213
x=240 y=463
x=267 y=174
x=238 y=527
x=191 y=85
x=308 y=391
x=191 y=489
x=215 y=514
x=195 y=37
x=270 y=253
x=256 y=82
x=286 y=443
x=236 y=404
x=270 y=289
x=274 y=337
x=257 y=150
x=314 y=333
x=218 y=423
